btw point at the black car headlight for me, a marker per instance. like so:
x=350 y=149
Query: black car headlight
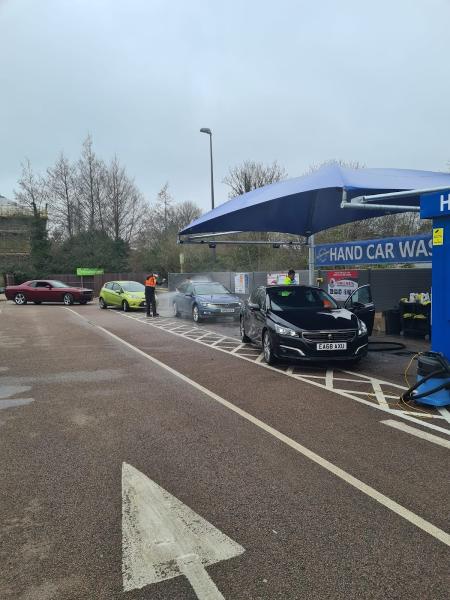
x=287 y=331
x=362 y=328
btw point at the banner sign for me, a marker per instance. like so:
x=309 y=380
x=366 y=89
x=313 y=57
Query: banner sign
x=342 y=284
x=241 y=283
x=85 y=272
x=413 y=249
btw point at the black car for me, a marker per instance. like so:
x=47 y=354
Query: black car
x=303 y=322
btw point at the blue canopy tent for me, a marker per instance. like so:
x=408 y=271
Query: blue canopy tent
x=309 y=204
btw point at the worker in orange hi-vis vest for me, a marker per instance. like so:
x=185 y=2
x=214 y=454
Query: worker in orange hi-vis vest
x=150 y=299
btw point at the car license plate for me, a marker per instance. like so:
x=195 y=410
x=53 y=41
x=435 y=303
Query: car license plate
x=227 y=310
x=332 y=346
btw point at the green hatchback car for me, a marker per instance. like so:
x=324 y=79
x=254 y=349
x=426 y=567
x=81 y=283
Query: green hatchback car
x=124 y=294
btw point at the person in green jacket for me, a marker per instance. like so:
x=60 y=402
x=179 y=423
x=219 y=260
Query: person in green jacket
x=290 y=278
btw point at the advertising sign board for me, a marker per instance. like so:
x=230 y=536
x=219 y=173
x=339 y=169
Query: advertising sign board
x=241 y=283
x=84 y=272
x=342 y=284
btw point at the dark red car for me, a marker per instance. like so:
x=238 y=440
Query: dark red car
x=40 y=290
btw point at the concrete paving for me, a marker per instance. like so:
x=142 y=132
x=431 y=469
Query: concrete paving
x=92 y=400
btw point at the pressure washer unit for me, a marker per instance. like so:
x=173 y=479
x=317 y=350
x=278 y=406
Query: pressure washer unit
x=433 y=380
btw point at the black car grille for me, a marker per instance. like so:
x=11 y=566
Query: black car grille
x=223 y=304
x=346 y=335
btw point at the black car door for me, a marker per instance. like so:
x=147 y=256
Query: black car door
x=361 y=303
x=251 y=309
x=260 y=315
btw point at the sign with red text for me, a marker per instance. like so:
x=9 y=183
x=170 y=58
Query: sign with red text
x=342 y=284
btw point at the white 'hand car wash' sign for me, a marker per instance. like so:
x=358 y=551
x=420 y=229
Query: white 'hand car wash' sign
x=388 y=250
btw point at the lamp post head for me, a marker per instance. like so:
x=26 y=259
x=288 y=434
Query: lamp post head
x=205 y=130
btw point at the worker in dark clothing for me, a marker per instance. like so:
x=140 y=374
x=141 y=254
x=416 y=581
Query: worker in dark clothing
x=150 y=298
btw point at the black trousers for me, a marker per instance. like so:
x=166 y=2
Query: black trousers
x=150 y=299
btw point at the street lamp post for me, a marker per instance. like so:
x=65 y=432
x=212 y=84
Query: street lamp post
x=209 y=132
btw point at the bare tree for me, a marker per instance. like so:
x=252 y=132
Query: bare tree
x=251 y=175
x=32 y=193
x=347 y=164
x=184 y=213
x=64 y=205
x=123 y=206
x=91 y=186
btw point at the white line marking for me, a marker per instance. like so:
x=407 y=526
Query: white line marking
x=13 y=402
x=162 y=538
x=399 y=413
x=445 y=413
x=403 y=512
x=258 y=361
x=237 y=348
x=329 y=379
x=369 y=378
x=379 y=394
x=218 y=341
x=418 y=433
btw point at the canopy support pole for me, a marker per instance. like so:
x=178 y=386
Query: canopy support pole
x=311 y=259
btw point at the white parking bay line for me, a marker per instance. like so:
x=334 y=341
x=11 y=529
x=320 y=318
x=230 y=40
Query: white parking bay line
x=418 y=433
x=444 y=412
x=369 y=491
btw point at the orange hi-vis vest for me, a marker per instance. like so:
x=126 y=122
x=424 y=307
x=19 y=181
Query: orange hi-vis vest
x=150 y=282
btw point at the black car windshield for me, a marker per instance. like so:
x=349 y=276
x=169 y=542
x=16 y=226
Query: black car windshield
x=58 y=284
x=132 y=286
x=294 y=298
x=210 y=289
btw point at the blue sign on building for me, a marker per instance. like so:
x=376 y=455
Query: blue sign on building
x=435 y=205
x=414 y=249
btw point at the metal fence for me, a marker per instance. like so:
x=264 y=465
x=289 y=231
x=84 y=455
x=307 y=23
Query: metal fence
x=388 y=285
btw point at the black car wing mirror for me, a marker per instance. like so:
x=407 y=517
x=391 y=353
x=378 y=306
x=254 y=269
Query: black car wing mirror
x=254 y=306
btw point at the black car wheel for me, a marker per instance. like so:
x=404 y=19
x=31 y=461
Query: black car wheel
x=102 y=303
x=269 y=355
x=68 y=299
x=20 y=298
x=125 y=306
x=244 y=337
x=196 y=314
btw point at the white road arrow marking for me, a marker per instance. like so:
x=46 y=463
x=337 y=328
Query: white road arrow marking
x=162 y=538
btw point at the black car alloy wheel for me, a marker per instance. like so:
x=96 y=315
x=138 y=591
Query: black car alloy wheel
x=244 y=337
x=269 y=355
x=196 y=314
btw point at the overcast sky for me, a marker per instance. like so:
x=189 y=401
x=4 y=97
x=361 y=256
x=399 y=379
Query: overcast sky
x=298 y=81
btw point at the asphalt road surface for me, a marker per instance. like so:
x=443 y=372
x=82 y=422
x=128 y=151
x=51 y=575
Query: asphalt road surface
x=141 y=463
